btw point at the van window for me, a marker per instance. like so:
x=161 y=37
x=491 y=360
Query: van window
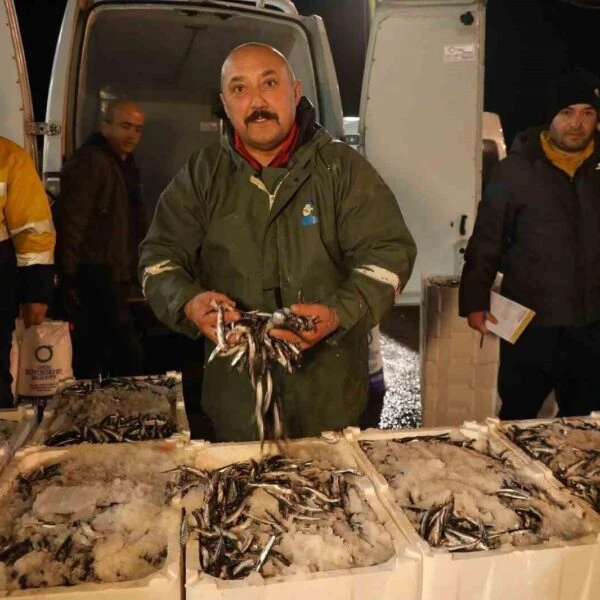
x=169 y=60
x=490 y=158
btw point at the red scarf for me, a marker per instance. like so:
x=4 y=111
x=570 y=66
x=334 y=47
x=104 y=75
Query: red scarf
x=281 y=158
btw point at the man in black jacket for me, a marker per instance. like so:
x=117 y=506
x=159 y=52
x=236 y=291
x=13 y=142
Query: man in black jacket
x=539 y=224
x=100 y=221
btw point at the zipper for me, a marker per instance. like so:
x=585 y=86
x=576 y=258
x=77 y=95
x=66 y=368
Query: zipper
x=259 y=183
x=580 y=258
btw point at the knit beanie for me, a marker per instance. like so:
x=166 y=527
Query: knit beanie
x=573 y=87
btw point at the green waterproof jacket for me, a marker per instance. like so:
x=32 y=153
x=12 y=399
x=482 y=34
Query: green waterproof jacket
x=325 y=229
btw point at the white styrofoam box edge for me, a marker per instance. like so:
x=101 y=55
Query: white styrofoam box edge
x=340 y=454
x=397 y=579
x=27 y=421
x=163 y=583
x=183 y=432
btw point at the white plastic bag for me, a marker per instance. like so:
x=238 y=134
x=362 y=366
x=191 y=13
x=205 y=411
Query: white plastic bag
x=45 y=358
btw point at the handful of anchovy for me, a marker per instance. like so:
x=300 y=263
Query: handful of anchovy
x=453 y=487
x=234 y=537
x=249 y=342
x=570 y=448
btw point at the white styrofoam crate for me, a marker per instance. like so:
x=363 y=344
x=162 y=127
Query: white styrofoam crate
x=162 y=584
x=51 y=411
x=558 y=570
x=495 y=426
x=26 y=419
x=396 y=579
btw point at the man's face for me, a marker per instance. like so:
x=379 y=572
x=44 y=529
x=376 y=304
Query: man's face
x=573 y=127
x=125 y=130
x=259 y=97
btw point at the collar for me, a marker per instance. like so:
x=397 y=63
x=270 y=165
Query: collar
x=568 y=162
x=281 y=158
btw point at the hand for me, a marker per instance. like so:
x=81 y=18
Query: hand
x=326 y=322
x=33 y=313
x=200 y=310
x=477 y=320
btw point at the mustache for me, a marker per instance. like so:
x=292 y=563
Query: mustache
x=261 y=114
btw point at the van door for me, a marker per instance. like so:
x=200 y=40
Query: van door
x=16 y=108
x=420 y=119
x=167 y=56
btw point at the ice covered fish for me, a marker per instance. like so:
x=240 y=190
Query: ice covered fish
x=570 y=448
x=90 y=514
x=464 y=494
x=118 y=409
x=279 y=516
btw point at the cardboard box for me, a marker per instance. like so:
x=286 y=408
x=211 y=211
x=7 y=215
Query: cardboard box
x=458 y=371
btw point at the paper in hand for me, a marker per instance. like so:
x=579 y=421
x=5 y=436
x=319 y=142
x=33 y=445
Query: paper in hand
x=512 y=318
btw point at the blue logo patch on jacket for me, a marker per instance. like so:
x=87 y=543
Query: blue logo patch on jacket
x=308 y=214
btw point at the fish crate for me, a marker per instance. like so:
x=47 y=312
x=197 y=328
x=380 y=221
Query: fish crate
x=575 y=466
x=16 y=427
x=115 y=561
x=396 y=577
x=70 y=419
x=557 y=569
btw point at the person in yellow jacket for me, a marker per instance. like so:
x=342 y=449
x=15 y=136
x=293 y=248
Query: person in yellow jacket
x=27 y=242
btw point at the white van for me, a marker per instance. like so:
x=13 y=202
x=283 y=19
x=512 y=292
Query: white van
x=421 y=106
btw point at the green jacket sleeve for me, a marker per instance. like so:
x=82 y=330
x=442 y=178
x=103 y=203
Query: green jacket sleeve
x=379 y=251
x=169 y=251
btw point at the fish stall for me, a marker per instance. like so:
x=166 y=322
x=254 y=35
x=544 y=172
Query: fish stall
x=112 y=500
x=487 y=520
x=113 y=410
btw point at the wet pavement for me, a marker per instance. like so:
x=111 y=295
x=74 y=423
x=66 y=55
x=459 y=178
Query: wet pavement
x=401 y=367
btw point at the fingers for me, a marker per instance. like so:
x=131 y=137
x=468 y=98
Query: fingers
x=222 y=298
x=230 y=316
x=287 y=336
x=306 y=310
x=491 y=318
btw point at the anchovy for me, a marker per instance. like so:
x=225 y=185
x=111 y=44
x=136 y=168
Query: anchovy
x=253 y=348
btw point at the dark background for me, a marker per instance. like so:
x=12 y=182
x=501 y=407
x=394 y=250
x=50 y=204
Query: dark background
x=528 y=42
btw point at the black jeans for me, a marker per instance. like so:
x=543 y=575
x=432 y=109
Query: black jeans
x=104 y=336
x=8 y=313
x=563 y=359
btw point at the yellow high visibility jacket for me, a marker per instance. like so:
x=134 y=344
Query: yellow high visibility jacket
x=25 y=216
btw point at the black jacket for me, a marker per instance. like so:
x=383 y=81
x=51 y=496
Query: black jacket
x=541 y=229
x=99 y=215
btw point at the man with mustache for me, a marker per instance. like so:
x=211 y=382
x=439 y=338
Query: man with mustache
x=100 y=222
x=278 y=214
x=539 y=224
